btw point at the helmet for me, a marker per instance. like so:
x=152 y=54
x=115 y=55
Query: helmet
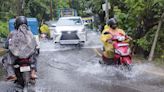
x=19 y=21
x=112 y=23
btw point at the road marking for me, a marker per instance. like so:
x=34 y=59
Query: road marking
x=152 y=72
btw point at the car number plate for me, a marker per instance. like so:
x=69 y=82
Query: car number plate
x=69 y=41
x=25 y=69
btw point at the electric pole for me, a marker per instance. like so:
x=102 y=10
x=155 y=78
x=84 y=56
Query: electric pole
x=20 y=7
x=151 y=55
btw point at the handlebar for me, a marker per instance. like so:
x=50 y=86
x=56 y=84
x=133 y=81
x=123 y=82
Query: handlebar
x=118 y=38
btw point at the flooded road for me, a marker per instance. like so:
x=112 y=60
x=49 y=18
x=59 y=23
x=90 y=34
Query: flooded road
x=67 y=73
x=68 y=69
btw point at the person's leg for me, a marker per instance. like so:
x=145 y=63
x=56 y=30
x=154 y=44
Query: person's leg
x=33 y=66
x=108 y=61
x=8 y=63
x=107 y=57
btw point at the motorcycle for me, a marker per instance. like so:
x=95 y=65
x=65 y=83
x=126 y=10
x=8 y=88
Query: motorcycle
x=122 y=52
x=22 y=68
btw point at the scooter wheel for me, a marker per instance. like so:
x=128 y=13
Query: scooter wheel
x=128 y=67
x=101 y=62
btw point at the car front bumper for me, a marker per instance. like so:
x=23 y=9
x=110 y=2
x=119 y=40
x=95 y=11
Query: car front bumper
x=69 y=37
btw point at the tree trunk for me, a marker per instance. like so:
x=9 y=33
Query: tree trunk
x=18 y=7
x=151 y=55
x=51 y=9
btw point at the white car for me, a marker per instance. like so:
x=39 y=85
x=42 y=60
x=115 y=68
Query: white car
x=70 y=30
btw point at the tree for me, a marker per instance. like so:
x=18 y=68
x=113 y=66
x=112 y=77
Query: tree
x=139 y=18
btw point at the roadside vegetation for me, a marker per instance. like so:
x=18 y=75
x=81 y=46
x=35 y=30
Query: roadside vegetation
x=139 y=18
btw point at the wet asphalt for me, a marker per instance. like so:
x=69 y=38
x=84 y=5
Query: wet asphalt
x=70 y=69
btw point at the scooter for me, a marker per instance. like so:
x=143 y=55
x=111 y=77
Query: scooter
x=22 y=68
x=122 y=51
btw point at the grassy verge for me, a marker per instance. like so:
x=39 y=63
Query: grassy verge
x=157 y=62
x=138 y=59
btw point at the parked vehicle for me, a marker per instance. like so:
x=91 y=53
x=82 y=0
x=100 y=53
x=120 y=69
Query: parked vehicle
x=33 y=26
x=70 y=30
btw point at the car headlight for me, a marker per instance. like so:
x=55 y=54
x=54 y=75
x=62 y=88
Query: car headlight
x=55 y=31
x=82 y=30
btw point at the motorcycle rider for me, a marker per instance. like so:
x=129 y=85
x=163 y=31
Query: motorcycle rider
x=21 y=44
x=106 y=36
x=44 y=29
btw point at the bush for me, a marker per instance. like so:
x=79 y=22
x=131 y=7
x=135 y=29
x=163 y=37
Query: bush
x=3 y=29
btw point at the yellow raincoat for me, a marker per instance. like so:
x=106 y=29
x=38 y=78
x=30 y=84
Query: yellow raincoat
x=44 y=29
x=108 y=47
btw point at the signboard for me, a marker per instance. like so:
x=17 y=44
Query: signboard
x=67 y=12
x=104 y=6
x=87 y=20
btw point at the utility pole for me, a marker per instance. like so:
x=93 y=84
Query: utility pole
x=106 y=11
x=20 y=7
x=151 y=55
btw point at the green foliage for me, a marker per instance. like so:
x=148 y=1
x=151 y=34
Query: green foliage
x=139 y=18
x=146 y=41
x=3 y=30
x=63 y=4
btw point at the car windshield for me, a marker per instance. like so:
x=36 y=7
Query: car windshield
x=69 y=22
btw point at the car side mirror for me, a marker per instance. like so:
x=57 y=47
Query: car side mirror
x=53 y=25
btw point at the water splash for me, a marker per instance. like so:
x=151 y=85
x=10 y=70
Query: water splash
x=137 y=71
x=42 y=89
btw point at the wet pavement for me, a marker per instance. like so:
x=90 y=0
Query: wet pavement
x=67 y=73
x=69 y=69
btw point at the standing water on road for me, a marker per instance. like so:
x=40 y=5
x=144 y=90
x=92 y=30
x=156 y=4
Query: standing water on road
x=64 y=68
